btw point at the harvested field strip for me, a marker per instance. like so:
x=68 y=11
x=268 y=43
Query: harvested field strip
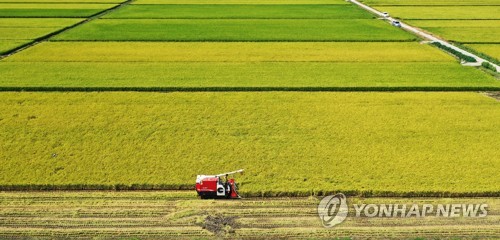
x=230 y=52
x=241 y=11
x=276 y=217
x=443 y=12
x=148 y=141
x=232 y=76
x=456 y=23
x=235 y=30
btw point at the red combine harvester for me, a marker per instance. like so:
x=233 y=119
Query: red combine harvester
x=217 y=186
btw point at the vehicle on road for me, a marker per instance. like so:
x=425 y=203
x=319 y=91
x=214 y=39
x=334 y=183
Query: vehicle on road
x=396 y=24
x=385 y=14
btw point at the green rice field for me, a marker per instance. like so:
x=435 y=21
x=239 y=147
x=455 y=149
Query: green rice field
x=235 y=30
x=240 y=11
x=251 y=2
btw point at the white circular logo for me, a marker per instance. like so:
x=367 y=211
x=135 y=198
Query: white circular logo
x=332 y=210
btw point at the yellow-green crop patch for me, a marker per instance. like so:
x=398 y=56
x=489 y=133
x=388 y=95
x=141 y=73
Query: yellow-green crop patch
x=430 y=2
x=230 y=52
x=442 y=12
x=235 y=30
x=456 y=23
x=51 y=10
x=62 y=1
x=232 y=76
x=464 y=31
x=240 y=11
x=402 y=143
x=492 y=50
x=24 y=33
x=468 y=35
x=38 y=22
x=162 y=2
x=54 y=6
x=7 y=45
x=16 y=32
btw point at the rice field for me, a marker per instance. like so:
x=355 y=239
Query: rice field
x=235 y=30
x=238 y=11
x=492 y=50
x=457 y=24
x=449 y=12
x=29 y=29
x=310 y=97
x=251 y=2
x=468 y=35
x=179 y=215
x=61 y=1
x=253 y=75
x=431 y=2
x=371 y=141
x=231 y=52
x=16 y=32
x=38 y=22
x=51 y=10
x=25 y=33
x=6 y=45
x=460 y=22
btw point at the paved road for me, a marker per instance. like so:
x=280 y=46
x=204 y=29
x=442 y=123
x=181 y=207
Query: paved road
x=424 y=35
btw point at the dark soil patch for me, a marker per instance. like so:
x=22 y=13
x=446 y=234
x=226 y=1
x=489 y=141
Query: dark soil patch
x=220 y=225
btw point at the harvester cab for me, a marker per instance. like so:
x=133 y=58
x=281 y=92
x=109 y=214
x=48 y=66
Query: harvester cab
x=217 y=186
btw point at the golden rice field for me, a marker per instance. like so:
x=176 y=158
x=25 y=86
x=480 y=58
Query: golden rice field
x=306 y=143
x=230 y=52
